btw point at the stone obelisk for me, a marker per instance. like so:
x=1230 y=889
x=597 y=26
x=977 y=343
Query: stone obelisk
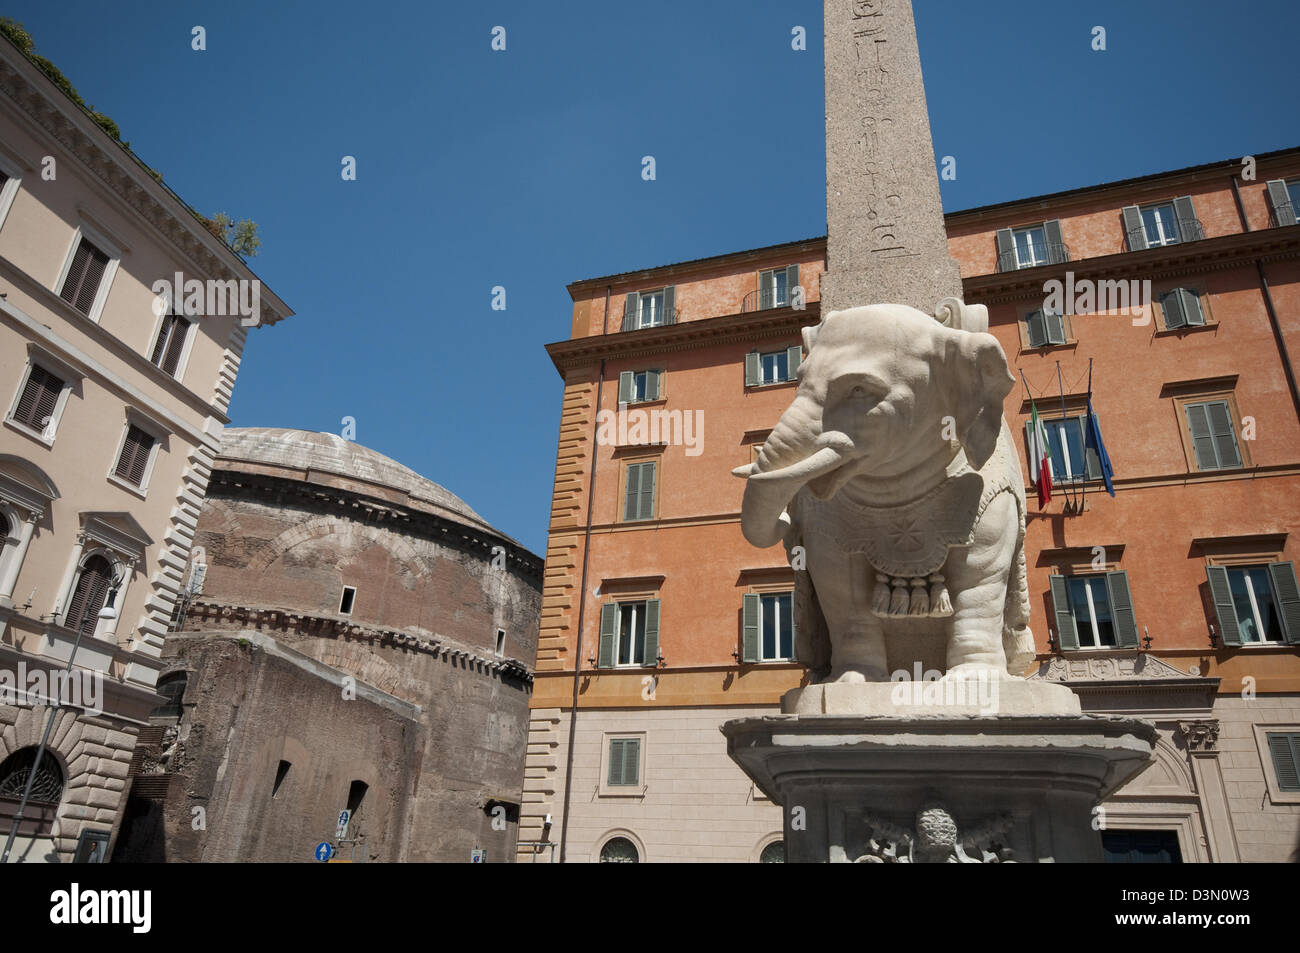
x=885 y=234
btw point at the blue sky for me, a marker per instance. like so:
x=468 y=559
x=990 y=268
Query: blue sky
x=522 y=168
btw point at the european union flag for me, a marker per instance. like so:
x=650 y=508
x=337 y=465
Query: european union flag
x=1092 y=440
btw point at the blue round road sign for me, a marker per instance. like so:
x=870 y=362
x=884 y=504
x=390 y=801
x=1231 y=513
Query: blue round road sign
x=324 y=851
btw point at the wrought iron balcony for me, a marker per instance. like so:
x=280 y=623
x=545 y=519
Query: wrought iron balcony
x=763 y=299
x=1277 y=214
x=1189 y=230
x=1057 y=253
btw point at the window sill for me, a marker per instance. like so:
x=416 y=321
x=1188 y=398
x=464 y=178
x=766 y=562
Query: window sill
x=140 y=491
x=632 y=792
x=1190 y=328
x=29 y=433
x=658 y=401
x=1044 y=348
x=773 y=384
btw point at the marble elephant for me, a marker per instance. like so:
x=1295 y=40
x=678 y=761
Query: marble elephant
x=892 y=476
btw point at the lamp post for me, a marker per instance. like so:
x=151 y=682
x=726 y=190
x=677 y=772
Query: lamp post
x=106 y=613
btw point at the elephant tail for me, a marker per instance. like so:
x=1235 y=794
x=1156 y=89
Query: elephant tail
x=1017 y=639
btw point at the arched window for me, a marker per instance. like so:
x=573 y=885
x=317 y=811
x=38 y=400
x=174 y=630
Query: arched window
x=47 y=791
x=619 y=850
x=172 y=688
x=773 y=853
x=89 y=594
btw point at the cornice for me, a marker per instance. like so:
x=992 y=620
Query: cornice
x=58 y=117
x=689 y=335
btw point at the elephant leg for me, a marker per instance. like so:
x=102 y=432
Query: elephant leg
x=977 y=582
x=858 y=650
x=856 y=635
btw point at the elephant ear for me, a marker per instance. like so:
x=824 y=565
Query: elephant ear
x=981 y=380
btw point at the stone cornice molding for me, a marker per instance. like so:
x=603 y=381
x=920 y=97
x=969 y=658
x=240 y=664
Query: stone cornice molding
x=57 y=116
x=1131 y=673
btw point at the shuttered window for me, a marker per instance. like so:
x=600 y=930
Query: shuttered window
x=1213 y=437
x=1165 y=223
x=624 y=762
x=1284 y=201
x=1094 y=611
x=629 y=634
x=1031 y=246
x=39 y=398
x=1284 y=747
x=772 y=367
x=1045 y=328
x=89 y=594
x=1256 y=604
x=1182 y=308
x=134 y=459
x=1071 y=458
x=636 y=387
x=82 y=283
x=171 y=343
x=776 y=287
x=639 y=499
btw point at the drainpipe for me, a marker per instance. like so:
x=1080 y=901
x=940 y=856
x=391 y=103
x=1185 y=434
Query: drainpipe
x=582 y=599
x=1270 y=308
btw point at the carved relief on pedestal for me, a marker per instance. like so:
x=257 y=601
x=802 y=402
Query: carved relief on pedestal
x=1201 y=736
x=936 y=839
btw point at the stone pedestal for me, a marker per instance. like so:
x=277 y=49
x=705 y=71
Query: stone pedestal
x=933 y=784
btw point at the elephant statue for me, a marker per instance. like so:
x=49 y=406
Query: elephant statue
x=892 y=477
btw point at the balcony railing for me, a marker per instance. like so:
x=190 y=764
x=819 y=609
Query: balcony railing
x=1286 y=211
x=1189 y=230
x=762 y=300
x=1058 y=253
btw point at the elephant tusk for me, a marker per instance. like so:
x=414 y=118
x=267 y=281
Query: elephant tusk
x=823 y=461
x=744 y=471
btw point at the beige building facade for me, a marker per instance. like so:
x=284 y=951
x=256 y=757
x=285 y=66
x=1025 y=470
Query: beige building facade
x=114 y=391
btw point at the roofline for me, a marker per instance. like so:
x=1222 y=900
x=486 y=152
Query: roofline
x=1232 y=165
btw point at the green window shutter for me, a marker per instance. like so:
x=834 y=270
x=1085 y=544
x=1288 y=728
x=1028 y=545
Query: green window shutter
x=1285 y=750
x=1189 y=229
x=1067 y=634
x=793 y=356
x=625 y=380
x=1055 y=325
x=1221 y=592
x=1284 y=213
x=670 y=310
x=1091 y=461
x=1037 y=328
x=791 y=279
x=647 y=506
x=632 y=761
x=1121 y=610
x=631 y=308
x=1225 y=441
x=1055 y=243
x=1134 y=230
x=1171 y=302
x=1006 y=250
x=632 y=500
x=1287 y=594
x=1198 y=422
x=752 y=372
x=1192 y=309
x=751 y=610
x=651 y=632
x=608 y=632
x=615 y=775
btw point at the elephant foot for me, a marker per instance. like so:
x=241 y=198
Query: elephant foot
x=976 y=671
x=856 y=674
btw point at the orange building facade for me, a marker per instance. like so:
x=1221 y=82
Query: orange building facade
x=1175 y=599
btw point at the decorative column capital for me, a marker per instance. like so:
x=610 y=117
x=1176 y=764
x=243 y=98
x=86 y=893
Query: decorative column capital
x=33 y=516
x=1201 y=736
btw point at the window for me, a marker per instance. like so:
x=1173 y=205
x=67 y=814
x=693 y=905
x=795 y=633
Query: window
x=281 y=772
x=634 y=387
x=649 y=309
x=133 y=459
x=1161 y=224
x=1045 y=328
x=1284 y=199
x=624 y=763
x=1094 y=611
x=1213 y=437
x=38 y=402
x=1284 y=748
x=170 y=346
x=46 y=793
x=1182 y=308
x=772 y=367
x=1070 y=460
x=345 y=603
x=82 y=282
x=1031 y=246
x=501 y=642
x=10 y=179
x=89 y=594
x=768 y=627
x=619 y=850
x=1256 y=603
x=172 y=689
x=639 y=493
x=629 y=634
x=1141 y=847
x=773 y=853
x=92 y=847
x=776 y=286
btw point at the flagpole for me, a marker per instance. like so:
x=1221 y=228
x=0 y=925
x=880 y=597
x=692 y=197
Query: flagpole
x=1086 y=424
x=1065 y=448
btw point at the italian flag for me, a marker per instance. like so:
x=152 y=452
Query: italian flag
x=1040 y=457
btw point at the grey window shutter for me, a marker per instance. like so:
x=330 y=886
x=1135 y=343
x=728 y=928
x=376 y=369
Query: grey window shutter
x=1171 y=302
x=1285 y=751
x=1134 y=229
x=625 y=381
x=752 y=373
x=632 y=761
x=1198 y=422
x=1189 y=229
x=616 y=749
x=793 y=355
x=1037 y=328
x=1055 y=327
x=670 y=311
x=1192 y=309
x=651 y=632
x=751 y=610
x=1121 y=610
x=1225 y=441
x=608 y=631
x=1221 y=592
x=1055 y=242
x=631 y=307
x=791 y=280
x=632 y=500
x=1284 y=213
x=1091 y=460
x=1006 y=250
x=652 y=379
x=1067 y=634
x=1288 y=599
x=647 y=507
